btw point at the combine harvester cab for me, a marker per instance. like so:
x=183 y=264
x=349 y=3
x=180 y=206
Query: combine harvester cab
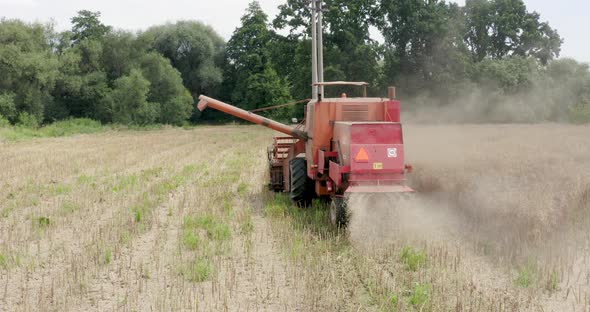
x=345 y=145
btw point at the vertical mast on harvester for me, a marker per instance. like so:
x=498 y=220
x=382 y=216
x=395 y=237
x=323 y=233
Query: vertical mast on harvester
x=317 y=49
x=321 y=47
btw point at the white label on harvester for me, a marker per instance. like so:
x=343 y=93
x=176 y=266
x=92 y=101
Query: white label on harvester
x=392 y=152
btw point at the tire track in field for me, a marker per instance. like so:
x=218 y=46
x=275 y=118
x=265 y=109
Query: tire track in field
x=166 y=290
x=72 y=158
x=76 y=249
x=23 y=230
x=66 y=258
x=135 y=279
x=135 y=166
x=132 y=259
x=140 y=270
x=255 y=276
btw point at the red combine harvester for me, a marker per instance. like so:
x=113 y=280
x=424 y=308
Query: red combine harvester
x=345 y=145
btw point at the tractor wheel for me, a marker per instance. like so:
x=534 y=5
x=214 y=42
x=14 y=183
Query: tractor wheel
x=338 y=212
x=300 y=184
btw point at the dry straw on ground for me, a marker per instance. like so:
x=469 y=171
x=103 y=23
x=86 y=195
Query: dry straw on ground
x=181 y=220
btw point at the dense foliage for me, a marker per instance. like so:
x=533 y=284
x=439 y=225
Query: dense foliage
x=95 y=72
x=489 y=60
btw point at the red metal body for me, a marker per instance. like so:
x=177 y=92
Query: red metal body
x=372 y=152
x=349 y=145
x=338 y=128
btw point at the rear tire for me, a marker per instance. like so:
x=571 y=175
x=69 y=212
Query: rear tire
x=338 y=212
x=300 y=184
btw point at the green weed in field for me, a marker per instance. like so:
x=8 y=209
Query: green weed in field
x=150 y=173
x=142 y=209
x=33 y=200
x=242 y=189
x=191 y=240
x=189 y=169
x=227 y=207
x=277 y=206
x=247 y=226
x=125 y=183
x=420 y=295
x=220 y=232
x=5 y=212
x=225 y=179
x=3 y=261
x=527 y=274
x=138 y=215
x=8 y=260
x=69 y=207
x=215 y=228
x=60 y=189
x=86 y=180
x=42 y=222
x=171 y=184
x=125 y=237
x=413 y=259
x=393 y=301
x=552 y=283
x=108 y=256
x=197 y=271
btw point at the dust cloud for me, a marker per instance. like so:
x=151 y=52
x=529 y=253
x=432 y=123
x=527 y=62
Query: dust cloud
x=382 y=219
x=541 y=102
x=517 y=191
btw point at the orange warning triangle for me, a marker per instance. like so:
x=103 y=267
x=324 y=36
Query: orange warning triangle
x=362 y=155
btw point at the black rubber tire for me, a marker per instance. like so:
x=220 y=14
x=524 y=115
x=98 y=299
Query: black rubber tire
x=338 y=212
x=300 y=184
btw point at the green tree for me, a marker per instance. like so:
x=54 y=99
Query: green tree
x=122 y=52
x=194 y=49
x=81 y=84
x=420 y=42
x=510 y=74
x=129 y=104
x=27 y=65
x=349 y=52
x=478 y=19
x=250 y=74
x=87 y=25
x=7 y=107
x=167 y=89
x=501 y=28
x=566 y=83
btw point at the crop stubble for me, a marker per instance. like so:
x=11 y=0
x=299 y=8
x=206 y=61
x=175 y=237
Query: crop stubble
x=98 y=222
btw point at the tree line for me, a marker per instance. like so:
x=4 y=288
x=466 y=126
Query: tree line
x=488 y=60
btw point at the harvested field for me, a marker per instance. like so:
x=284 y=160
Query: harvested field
x=181 y=220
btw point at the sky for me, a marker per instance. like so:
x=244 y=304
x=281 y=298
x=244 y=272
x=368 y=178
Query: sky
x=569 y=17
